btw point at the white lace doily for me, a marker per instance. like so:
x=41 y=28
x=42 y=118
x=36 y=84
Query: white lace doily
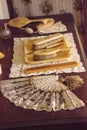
x=18 y=63
x=56 y=27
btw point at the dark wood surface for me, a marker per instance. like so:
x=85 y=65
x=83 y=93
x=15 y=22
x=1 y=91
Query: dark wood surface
x=85 y=24
x=13 y=117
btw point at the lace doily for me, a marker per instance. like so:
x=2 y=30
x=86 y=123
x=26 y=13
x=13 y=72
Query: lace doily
x=57 y=27
x=18 y=62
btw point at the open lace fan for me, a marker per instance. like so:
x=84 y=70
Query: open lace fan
x=40 y=93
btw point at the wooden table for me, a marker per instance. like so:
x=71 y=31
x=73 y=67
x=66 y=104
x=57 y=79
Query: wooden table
x=85 y=24
x=13 y=117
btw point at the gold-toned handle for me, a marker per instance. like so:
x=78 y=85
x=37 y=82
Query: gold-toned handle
x=43 y=20
x=36 y=20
